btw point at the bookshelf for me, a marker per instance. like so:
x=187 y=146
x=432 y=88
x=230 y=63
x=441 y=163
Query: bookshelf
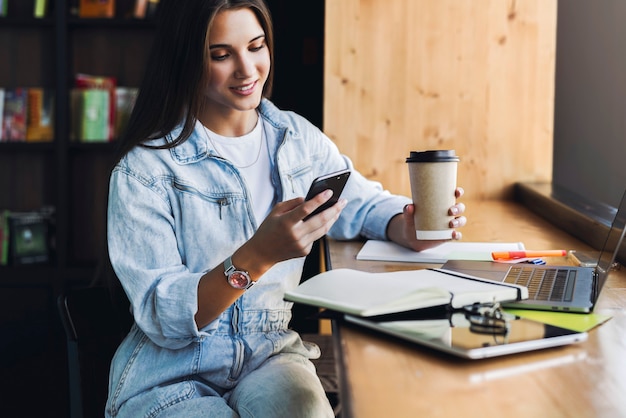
x=73 y=176
x=70 y=176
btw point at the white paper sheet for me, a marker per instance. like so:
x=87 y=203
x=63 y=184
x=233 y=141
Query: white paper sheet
x=454 y=250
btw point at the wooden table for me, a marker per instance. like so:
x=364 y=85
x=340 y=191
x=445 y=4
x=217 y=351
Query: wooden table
x=386 y=378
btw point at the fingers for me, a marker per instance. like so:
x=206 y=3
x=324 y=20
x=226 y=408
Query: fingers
x=324 y=203
x=287 y=205
x=457 y=209
x=408 y=212
x=317 y=203
x=458 y=222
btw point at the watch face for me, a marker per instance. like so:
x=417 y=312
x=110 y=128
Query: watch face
x=239 y=280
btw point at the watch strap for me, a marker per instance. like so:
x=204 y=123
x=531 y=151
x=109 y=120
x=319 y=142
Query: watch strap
x=228 y=266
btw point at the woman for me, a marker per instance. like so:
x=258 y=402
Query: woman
x=206 y=201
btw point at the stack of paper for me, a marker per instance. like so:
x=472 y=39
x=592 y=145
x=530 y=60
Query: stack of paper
x=452 y=250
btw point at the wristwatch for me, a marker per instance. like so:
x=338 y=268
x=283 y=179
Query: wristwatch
x=238 y=279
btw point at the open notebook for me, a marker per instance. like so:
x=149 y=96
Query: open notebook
x=365 y=294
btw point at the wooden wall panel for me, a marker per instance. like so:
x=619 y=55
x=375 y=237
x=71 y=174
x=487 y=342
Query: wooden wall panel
x=473 y=75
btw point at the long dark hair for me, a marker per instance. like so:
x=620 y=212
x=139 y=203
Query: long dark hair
x=176 y=75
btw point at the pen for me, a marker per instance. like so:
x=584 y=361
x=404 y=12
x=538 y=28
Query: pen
x=514 y=255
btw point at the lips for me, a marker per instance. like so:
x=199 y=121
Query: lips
x=245 y=89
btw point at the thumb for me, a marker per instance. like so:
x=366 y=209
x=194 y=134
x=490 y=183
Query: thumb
x=407 y=212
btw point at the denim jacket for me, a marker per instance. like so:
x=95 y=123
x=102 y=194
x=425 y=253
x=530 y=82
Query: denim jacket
x=176 y=213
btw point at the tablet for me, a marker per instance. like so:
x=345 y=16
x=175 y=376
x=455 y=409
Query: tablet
x=456 y=334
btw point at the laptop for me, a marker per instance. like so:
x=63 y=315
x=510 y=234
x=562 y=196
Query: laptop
x=554 y=288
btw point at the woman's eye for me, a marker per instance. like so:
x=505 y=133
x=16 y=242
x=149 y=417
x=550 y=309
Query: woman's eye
x=220 y=57
x=257 y=48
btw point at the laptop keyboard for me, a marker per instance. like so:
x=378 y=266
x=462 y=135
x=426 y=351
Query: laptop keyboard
x=544 y=284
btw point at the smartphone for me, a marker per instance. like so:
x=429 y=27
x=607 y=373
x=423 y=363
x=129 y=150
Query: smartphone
x=335 y=181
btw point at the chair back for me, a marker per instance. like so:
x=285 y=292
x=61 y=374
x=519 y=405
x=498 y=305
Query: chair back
x=96 y=320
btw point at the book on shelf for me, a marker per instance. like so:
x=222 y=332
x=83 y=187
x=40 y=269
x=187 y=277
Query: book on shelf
x=124 y=102
x=109 y=84
x=14 y=115
x=73 y=7
x=140 y=8
x=40 y=122
x=152 y=8
x=90 y=115
x=4 y=237
x=40 y=8
x=1 y=112
x=29 y=238
x=364 y=294
x=96 y=8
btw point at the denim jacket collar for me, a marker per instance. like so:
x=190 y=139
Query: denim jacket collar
x=197 y=146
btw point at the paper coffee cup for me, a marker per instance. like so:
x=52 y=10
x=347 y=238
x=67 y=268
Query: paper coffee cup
x=433 y=182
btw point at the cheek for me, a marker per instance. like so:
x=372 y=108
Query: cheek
x=264 y=65
x=218 y=77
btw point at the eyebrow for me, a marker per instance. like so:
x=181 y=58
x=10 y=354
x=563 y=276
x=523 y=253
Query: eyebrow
x=215 y=46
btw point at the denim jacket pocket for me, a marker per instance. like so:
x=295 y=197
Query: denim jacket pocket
x=221 y=201
x=299 y=180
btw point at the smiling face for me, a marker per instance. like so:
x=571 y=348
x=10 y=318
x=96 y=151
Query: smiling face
x=239 y=62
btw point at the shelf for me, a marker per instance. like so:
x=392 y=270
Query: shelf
x=26 y=276
x=26 y=147
x=94 y=146
x=114 y=23
x=25 y=22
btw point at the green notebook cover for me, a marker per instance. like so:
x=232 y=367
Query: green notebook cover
x=40 y=8
x=95 y=115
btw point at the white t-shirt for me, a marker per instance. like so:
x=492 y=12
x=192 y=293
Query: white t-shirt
x=250 y=154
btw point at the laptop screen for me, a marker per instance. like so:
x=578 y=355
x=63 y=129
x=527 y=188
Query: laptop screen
x=611 y=246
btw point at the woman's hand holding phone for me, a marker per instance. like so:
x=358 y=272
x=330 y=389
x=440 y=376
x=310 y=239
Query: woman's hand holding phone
x=289 y=236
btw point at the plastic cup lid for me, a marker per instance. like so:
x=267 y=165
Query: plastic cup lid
x=432 y=156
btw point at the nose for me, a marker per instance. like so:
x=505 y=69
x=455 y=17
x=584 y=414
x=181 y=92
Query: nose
x=245 y=66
